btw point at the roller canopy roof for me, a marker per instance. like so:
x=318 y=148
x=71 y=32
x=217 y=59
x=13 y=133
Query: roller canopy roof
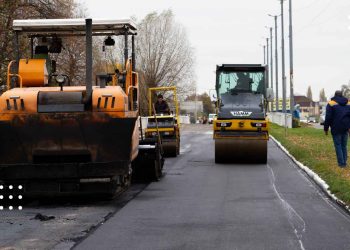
x=74 y=26
x=241 y=67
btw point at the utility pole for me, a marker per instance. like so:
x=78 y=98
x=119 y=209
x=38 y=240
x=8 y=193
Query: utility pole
x=195 y=104
x=291 y=73
x=271 y=62
x=283 y=62
x=276 y=62
x=264 y=51
x=267 y=61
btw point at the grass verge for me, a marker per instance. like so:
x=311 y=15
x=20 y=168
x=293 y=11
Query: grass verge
x=311 y=147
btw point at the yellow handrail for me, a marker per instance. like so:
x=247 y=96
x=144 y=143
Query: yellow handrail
x=132 y=97
x=9 y=75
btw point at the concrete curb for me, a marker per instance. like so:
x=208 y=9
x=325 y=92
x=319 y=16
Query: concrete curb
x=315 y=177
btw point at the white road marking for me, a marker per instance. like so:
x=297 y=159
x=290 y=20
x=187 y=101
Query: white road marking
x=295 y=220
x=185 y=148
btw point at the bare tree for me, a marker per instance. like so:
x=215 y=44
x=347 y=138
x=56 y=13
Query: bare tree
x=29 y=9
x=346 y=90
x=164 y=54
x=71 y=60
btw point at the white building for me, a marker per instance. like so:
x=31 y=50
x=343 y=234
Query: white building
x=191 y=106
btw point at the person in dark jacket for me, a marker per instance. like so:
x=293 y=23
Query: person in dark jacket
x=338 y=119
x=161 y=106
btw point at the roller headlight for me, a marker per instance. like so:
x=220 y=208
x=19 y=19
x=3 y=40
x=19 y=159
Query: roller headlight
x=60 y=79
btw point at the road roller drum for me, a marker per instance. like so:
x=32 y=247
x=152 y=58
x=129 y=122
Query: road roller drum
x=240 y=151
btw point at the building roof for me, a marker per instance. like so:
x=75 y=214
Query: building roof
x=304 y=101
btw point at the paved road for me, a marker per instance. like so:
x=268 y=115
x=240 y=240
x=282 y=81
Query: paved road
x=203 y=205
x=73 y=219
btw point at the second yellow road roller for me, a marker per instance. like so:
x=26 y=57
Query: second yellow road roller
x=166 y=121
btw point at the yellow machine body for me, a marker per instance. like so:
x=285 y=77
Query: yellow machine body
x=33 y=72
x=107 y=103
x=244 y=125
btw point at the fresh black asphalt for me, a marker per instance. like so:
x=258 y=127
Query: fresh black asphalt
x=202 y=205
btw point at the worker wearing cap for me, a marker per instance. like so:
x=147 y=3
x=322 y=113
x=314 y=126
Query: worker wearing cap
x=161 y=106
x=338 y=119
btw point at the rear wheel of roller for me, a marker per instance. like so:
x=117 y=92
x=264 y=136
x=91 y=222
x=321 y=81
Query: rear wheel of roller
x=155 y=172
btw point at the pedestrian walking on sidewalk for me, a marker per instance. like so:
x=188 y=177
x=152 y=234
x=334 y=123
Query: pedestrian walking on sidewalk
x=338 y=119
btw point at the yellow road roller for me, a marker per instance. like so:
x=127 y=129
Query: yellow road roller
x=168 y=123
x=241 y=130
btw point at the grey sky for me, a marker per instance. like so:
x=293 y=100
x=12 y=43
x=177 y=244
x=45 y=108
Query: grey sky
x=231 y=31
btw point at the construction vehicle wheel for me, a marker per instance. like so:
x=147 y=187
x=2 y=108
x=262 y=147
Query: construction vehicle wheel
x=240 y=151
x=155 y=172
x=120 y=186
x=170 y=148
x=178 y=148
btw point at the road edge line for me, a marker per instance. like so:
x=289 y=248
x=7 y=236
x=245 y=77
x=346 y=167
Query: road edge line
x=314 y=176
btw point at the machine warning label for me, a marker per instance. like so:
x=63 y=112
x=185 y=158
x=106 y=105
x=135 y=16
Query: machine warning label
x=241 y=113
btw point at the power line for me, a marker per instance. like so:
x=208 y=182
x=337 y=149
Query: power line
x=315 y=17
x=306 y=6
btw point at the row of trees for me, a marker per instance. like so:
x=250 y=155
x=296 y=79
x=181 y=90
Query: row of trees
x=322 y=96
x=344 y=88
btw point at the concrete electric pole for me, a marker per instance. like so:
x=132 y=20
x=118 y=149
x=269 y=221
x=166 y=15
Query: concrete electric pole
x=276 y=61
x=291 y=73
x=267 y=61
x=264 y=52
x=271 y=61
x=284 y=90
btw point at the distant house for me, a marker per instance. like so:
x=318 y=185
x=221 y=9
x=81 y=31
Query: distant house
x=308 y=107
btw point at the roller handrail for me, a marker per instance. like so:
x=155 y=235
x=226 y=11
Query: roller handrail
x=128 y=94
x=9 y=75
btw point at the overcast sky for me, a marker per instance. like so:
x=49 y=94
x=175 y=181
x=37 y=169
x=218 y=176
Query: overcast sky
x=231 y=31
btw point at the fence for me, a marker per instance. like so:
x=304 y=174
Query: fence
x=280 y=118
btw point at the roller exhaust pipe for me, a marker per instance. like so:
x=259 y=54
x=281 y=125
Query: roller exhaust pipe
x=88 y=52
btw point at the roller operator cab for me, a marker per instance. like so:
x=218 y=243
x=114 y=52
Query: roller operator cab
x=166 y=124
x=59 y=136
x=241 y=130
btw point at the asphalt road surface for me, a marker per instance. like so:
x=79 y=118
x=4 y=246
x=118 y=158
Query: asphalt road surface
x=202 y=205
x=197 y=205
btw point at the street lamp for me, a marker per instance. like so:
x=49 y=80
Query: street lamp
x=267 y=60
x=284 y=90
x=264 y=51
x=291 y=67
x=276 y=59
x=271 y=58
